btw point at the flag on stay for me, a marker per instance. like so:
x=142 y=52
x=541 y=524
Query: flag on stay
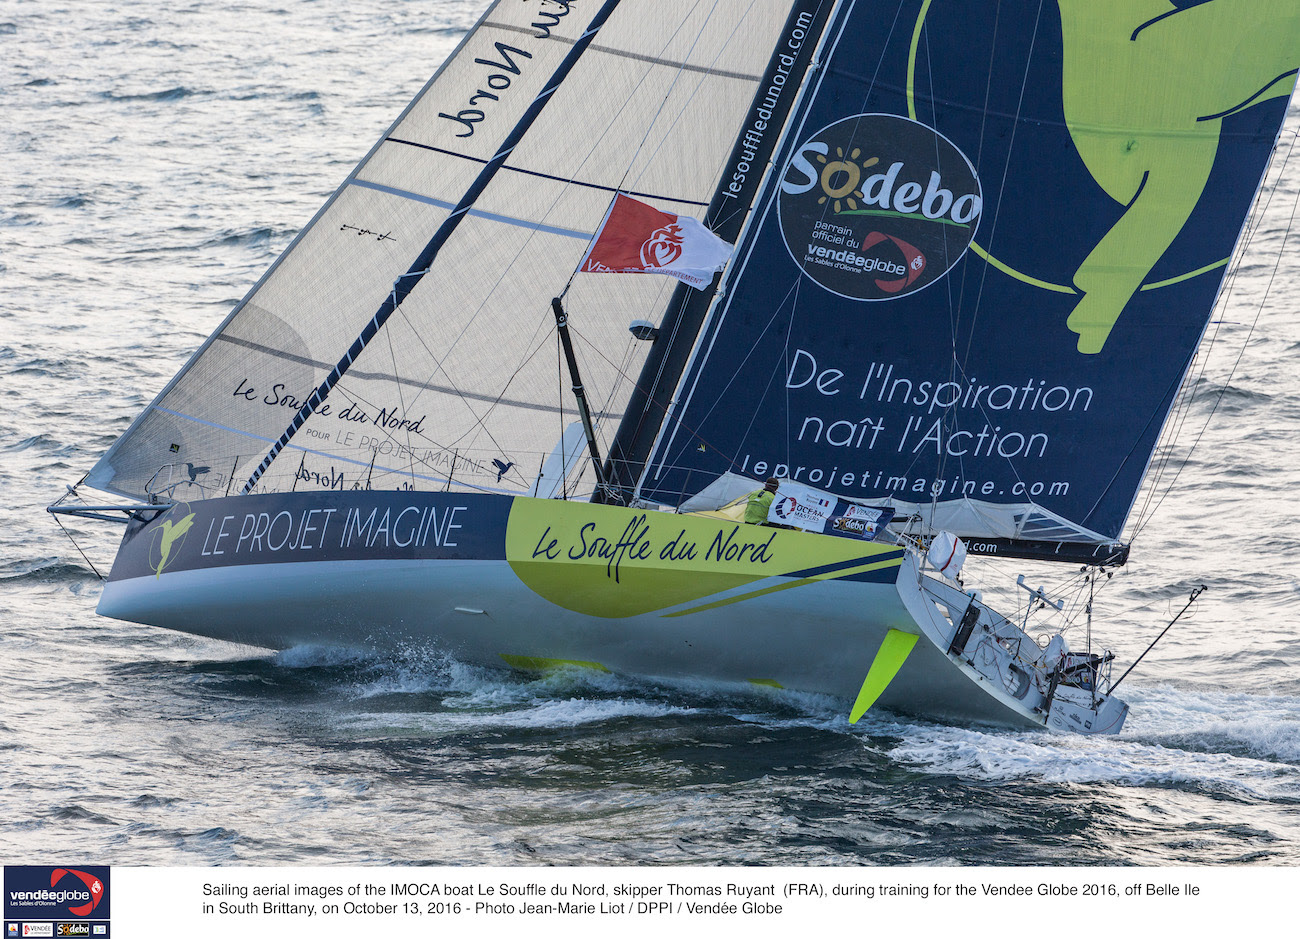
x=636 y=238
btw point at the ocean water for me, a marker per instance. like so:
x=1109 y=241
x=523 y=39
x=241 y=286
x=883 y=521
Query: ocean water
x=156 y=158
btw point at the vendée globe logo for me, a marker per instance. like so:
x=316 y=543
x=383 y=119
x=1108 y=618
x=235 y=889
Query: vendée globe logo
x=36 y=892
x=877 y=206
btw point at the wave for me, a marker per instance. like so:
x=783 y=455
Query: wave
x=79 y=813
x=169 y=94
x=254 y=237
x=75 y=201
x=40 y=441
x=47 y=570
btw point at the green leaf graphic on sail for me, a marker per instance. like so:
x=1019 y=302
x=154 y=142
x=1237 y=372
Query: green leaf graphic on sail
x=1145 y=88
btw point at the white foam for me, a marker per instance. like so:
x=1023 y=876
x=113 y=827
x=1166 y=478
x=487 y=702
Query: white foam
x=1052 y=758
x=317 y=656
x=1263 y=726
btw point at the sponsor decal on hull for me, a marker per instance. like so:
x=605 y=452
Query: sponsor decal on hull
x=613 y=562
x=603 y=561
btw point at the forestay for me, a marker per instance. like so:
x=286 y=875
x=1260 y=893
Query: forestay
x=462 y=382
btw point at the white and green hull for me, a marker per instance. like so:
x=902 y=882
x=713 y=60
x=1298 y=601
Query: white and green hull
x=533 y=583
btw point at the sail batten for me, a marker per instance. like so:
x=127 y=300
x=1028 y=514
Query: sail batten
x=504 y=219
x=660 y=196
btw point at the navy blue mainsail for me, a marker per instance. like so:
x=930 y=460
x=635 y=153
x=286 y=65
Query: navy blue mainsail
x=981 y=270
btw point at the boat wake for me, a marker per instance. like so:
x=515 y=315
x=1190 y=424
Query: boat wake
x=1238 y=745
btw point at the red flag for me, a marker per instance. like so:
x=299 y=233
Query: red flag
x=636 y=238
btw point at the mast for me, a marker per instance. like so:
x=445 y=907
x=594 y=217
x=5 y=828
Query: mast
x=408 y=281
x=737 y=190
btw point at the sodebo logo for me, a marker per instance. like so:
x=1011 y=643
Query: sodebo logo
x=877 y=206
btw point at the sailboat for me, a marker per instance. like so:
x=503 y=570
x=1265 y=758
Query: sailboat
x=938 y=270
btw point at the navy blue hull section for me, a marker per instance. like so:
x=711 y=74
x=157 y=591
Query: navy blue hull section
x=282 y=528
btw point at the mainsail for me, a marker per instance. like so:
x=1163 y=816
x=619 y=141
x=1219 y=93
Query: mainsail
x=460 y=387
x=977 y=281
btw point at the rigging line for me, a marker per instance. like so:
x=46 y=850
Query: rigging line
x=1184 y=405
x=407 y=282
x=1276 y=187
x=1006 y=169
x=452 y=386
x=1170 y=392
x=828 y=206
x=690 y=97
x=559 y=396
x=657 y=378
x=77 y=546
x=967 y=271
x=663 y=408
x=620 y=370
x=884 y=46
x=1250 y=332
x=1197 y=377
x=950 y=418
x=481 y=422
x=960 y=362
x=776 y=311
x=1166 y=449
x=916 y=456
x=779 y=370
x=401 y=401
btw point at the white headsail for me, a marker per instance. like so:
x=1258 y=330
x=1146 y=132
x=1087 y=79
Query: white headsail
x=462 y=380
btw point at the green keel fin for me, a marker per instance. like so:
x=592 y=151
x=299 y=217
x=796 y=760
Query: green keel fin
x=893 y=652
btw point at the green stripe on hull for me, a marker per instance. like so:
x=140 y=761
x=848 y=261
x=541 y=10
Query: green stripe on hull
x=534 y=663
x=798 y=582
